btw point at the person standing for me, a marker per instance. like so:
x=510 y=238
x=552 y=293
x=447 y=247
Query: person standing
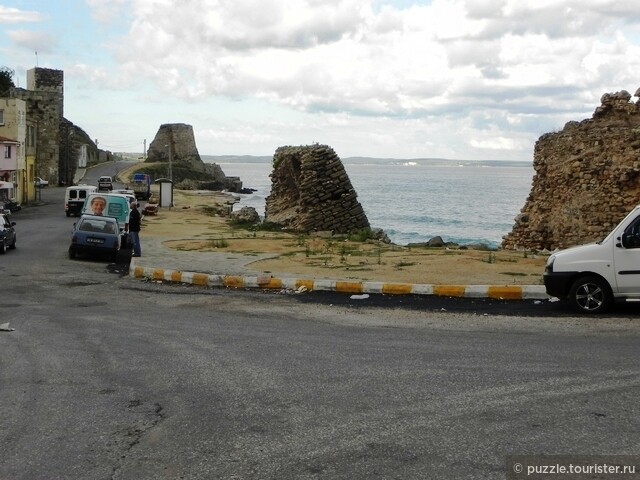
x=134 y=229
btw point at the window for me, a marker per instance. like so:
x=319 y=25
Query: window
x=1 y=117
x=7 y=151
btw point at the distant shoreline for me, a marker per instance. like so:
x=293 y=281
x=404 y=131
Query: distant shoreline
x=441 y=162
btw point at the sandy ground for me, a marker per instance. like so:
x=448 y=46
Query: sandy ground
x=193 y=225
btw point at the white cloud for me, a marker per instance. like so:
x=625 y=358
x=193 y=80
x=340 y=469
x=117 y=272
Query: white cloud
x=10 y=15
x=107 y=10
x=459 y=77
x=42 y=42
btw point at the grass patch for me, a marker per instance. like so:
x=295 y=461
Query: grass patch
x=404 y=264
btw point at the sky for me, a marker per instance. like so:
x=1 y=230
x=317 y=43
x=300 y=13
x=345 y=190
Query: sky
x=458 y=79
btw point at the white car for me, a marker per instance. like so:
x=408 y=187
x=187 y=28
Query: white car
x=41 y=181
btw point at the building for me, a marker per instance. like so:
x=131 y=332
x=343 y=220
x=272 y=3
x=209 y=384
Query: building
x=51 y=147
x=14 y=165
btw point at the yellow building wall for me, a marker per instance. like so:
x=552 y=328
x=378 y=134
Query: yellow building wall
x=27 y=180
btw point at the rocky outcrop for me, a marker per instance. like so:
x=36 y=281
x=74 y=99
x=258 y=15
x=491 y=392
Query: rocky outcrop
x=586 y=179
x=175 y=143
x=246 y=215
x=311 y=191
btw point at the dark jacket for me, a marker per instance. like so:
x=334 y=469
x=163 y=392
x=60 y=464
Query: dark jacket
x=134 y=220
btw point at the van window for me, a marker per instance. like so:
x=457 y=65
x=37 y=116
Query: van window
x=83 y=193
x=73 y=194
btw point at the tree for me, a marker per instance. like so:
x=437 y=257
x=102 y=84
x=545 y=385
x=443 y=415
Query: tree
x=6 y=80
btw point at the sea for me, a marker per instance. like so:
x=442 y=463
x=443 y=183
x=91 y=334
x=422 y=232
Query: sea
x=470 y=203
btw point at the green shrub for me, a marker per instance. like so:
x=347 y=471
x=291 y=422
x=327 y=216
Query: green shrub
x=361 y=235
x=219 y=243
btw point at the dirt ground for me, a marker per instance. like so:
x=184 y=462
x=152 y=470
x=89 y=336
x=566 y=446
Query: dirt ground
x=201 y=228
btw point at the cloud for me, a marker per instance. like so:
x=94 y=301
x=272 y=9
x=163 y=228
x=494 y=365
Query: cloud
x=10 y=15
x=107 y=10
x=499 y=68
x=34 y=41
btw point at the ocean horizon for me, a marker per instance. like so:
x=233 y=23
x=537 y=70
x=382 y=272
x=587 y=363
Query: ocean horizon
x=414 y=200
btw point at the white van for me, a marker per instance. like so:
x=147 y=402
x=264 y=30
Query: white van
x=74 y=198
x=592 y=276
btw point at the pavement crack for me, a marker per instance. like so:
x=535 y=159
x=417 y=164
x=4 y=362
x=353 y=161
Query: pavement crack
x=146 y=416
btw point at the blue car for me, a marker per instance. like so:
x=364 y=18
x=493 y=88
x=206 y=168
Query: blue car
x=95 y=235
x=8 y=235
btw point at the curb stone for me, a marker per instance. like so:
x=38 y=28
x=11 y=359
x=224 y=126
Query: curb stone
x=268 y=282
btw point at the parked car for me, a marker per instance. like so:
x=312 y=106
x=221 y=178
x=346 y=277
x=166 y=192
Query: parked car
x=8 y=235
x=127 y=193
x=41 y=182
x=105 y=183
x=12 y=206
x=95 y=235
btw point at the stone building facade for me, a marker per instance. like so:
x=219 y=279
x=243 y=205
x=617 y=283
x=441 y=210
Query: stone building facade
x=311 y=191
x=44 y=97
x=587 y=178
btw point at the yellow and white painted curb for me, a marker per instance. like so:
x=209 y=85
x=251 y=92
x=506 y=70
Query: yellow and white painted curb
x=267 y=282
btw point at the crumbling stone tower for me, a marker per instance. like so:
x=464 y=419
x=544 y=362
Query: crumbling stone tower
x=176 y=142
x=587 y=178
x=311 y=191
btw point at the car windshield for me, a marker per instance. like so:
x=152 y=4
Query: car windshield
x=97 y=225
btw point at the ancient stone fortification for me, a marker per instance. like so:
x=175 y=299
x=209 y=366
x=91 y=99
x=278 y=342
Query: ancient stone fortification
x=44 y=98
x=310 y=191
x=586 y=180
x=177 y=142
x=61 y=147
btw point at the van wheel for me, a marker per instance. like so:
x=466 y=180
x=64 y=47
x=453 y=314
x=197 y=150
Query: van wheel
x=590 y=295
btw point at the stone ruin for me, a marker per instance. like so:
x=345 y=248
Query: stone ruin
x=311 y=192
x=586 y=179
x=177 y=141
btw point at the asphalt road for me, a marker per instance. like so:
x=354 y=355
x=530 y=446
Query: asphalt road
x=106 y=377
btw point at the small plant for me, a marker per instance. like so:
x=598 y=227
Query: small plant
x=404 y=264
x=219 y=243
x=344 y=253
x=491 y=258
x=361 y=235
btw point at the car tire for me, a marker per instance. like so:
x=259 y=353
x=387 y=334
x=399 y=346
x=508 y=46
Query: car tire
x=3 y=247
x=590 y=294
x=13 y=244
x=72 y=253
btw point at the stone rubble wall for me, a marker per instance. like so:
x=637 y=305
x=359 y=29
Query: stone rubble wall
x=587 y=178
x=311 y=192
